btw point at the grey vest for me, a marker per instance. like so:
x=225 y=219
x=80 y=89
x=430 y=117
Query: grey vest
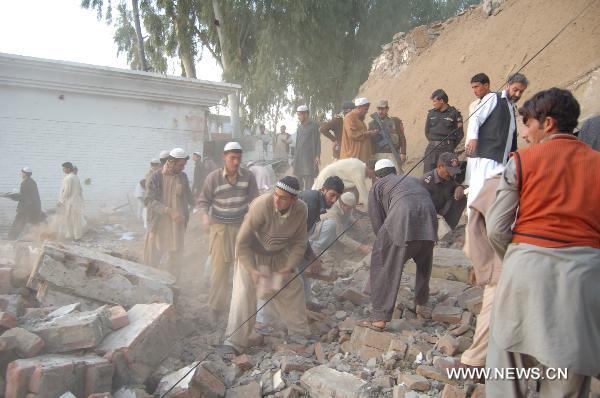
x=493 y=133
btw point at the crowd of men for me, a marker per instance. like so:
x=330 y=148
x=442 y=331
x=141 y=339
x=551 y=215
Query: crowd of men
x=533 y=225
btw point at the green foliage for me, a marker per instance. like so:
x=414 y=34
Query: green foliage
x=282 y=52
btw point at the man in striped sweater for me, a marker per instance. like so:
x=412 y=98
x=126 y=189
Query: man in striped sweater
x=223 y=203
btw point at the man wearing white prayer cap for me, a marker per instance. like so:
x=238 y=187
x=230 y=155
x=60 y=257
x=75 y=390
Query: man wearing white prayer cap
x=356 y=138
x=29 y=209
x=308 y=149
x=223 y=202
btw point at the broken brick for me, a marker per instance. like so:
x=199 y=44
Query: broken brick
x=432 y=373
x=7 y=320
x=449 y=314
x=415 y=382
x=210 y=385
x=243 y=362
x=448 y=345
x=118 y=317
x=451 y=391
x=27 y=344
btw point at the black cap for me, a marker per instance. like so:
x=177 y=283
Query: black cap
x=68 y=165
x=450 y=162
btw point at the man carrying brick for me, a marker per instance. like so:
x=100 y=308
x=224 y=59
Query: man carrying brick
x=223 y=203
x=270 y=245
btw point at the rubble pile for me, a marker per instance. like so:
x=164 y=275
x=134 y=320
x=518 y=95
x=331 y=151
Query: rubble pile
x=119 y=329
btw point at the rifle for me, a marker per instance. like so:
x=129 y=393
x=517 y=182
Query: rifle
x=385 y=138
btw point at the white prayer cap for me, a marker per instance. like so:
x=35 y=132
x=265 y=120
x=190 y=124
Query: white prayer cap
x=302 y=108
x=348 y=199
x=232 y=146
x=163 y=154
x=26 y=169
x=155 y=161
x=178 y=153
x=361 y=101
x=197 y=153
x=384 y=163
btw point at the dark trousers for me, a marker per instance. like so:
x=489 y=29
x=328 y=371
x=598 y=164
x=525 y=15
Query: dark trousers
x=17 y=226
x=455 y=211
x=430 y=161
x=387 y=264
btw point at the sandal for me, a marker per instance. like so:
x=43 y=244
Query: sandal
x=227 y=352
x=264 y=330
x=367 y=323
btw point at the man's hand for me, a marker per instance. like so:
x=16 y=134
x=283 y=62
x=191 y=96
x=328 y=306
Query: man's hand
x=316 y=267
x=365 y=249
x=471 y=147
x=206 y=223
x=459 y=192
x=403 y=157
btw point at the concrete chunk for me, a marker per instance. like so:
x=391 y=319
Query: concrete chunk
x=98 y=277
x=322 y=381
x=72 y=331
x=138 y=348
x=184 y=389
x=27 y=344
x=50 y=376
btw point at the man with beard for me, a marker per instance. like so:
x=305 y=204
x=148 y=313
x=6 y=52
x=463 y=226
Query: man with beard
x=395 y=129
x=492 y=132
x=168 y=198
x=356 y=139
x=29 y=208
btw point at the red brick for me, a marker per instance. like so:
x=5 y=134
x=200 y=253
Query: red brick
x=7 y=320
x=27 y=344
x=432 y=373
x=444 y=313
x=243 y=362
x=448 y=345
x=208 y=384
x=415 y=382
x=320 y=352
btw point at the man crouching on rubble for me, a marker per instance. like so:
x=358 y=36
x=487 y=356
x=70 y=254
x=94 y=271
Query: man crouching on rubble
x=270 y=244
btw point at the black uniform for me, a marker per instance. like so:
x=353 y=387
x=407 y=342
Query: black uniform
x=437 y=127
x=442 y=196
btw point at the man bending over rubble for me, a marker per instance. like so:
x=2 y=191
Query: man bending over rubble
x=270 y=245
x=405 y=223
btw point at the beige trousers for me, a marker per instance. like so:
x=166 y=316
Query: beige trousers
x=475 y=355
x=222 y=253
x=289 y=304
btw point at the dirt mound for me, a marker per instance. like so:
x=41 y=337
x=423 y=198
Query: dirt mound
x=446 y=55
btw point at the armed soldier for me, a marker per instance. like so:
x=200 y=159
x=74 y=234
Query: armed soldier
x=395 y=129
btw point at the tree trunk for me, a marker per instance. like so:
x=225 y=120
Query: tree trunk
x=138 y=32
x=183 y=31
x=234 y=101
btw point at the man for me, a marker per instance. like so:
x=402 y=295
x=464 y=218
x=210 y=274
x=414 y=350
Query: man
x=199 y=174
x=163 y=156
x=223 y=203
x=29 y=208
x=353 y=172
x=487 y=266
x=281 y=149
x=405 y=224
x=590 y=132
x=547 y=301
x=332 y=129
x=71 y=205
x=155 y=164
x=443 y=127
x=395 y=128
x=447 y=195
x=308 y=149
x=338 y=219
x=265 y=139
x=317 y=203
x=168 y=198
x=492 y=134
x=264 y=174
x=270 y=245
x=356 y=139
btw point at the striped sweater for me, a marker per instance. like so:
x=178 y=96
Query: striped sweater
x=227 y=203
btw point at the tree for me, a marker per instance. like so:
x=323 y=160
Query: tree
x=282 y=52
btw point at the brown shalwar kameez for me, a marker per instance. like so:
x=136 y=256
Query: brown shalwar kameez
x=405 y=222
x=171 y=190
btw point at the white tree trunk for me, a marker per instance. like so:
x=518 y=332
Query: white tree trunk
x=233 y=99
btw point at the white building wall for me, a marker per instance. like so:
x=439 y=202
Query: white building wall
x=110 y=138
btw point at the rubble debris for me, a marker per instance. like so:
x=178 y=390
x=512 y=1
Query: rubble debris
x=67 y=273
x=446 y=261
x=139 y=347
x=72 y=330
x=49 y=376
x=26 y=344
x=322 y=381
